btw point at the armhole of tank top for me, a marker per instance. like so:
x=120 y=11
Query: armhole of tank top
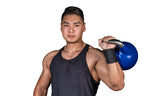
x=86 y=64
x=96 y=82
x=51 y=63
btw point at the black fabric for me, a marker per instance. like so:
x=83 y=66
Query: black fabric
x=72 y=77
x=110 y=56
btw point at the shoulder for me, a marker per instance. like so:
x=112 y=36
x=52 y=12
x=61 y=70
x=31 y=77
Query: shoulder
x=95 y=53
x=48 y=58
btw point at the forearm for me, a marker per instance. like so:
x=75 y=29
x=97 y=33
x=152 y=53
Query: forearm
x=116 y=75
x=40 y=92
x=115 y=72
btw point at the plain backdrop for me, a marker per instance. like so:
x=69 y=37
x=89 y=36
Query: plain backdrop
x=29 y=29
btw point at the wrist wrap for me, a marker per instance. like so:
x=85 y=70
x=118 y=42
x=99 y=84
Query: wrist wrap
x=110 y=56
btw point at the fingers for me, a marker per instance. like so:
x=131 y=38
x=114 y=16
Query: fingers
x=107 y=38
x=100 y=41
x=104 y=45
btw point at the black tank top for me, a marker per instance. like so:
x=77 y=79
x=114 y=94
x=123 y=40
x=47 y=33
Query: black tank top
x=72 y=77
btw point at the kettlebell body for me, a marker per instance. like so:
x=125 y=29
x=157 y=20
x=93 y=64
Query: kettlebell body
x=127 y=55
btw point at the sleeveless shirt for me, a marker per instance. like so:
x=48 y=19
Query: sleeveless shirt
x=72 y=77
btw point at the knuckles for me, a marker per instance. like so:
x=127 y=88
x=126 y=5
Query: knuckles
x=104 y=45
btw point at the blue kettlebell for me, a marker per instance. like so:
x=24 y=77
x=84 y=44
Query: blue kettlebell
x=126 y=54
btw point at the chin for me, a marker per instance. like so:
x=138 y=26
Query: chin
x=72 y=41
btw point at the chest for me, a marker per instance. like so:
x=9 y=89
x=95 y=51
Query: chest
x=70 y=55
x=71 y=66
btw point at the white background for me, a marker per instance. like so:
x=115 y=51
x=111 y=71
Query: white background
x=29 y=29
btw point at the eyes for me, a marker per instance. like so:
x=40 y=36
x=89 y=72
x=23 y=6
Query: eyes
x=75 y=25
x=65 y=25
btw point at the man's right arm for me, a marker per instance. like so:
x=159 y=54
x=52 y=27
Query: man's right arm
x=44 y=80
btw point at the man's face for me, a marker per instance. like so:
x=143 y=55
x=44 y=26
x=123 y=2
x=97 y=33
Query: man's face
x=72 y=28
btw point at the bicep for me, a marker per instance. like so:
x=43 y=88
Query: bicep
x=45 y=77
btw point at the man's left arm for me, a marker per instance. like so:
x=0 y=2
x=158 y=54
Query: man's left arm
x=108 y=69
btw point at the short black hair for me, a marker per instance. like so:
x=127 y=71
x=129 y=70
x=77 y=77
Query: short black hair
x=72 y=10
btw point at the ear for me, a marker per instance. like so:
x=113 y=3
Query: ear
x=84 y=27
x=61 y=26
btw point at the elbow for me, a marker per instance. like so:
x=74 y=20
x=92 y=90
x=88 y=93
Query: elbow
x=116 y=86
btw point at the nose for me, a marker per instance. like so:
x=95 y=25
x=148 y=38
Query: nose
x=71 y=29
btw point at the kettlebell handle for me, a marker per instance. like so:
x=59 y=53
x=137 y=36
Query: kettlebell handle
x=115 y=41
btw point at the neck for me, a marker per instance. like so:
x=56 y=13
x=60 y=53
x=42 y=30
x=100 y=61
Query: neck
x=72 y=47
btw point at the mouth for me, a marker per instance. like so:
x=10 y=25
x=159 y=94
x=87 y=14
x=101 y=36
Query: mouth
x=71 y=36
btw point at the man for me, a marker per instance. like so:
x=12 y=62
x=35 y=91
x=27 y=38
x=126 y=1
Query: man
x=77 y=68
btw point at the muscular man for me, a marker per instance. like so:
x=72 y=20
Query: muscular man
x=77 y=68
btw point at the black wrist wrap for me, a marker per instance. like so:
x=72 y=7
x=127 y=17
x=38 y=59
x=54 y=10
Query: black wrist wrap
x=110 y=55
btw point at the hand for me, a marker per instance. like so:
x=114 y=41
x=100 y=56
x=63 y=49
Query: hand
x=104 y=45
